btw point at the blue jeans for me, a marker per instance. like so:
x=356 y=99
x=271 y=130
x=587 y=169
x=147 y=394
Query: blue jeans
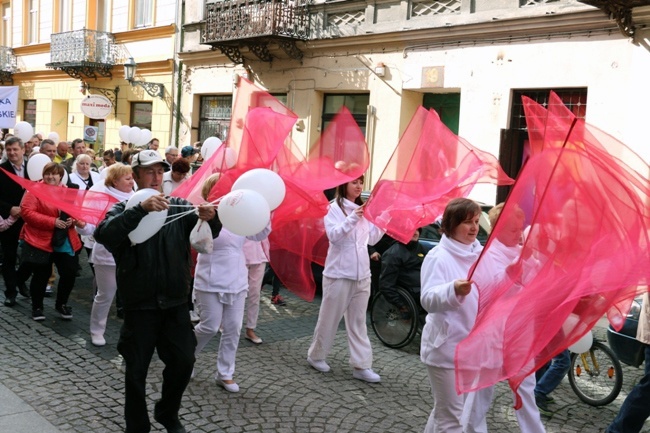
x=636 y=407
x=554 y=374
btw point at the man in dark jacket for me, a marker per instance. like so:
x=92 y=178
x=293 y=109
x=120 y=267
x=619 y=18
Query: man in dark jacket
x=11 y=194
x=153 y=280
x=400 y=267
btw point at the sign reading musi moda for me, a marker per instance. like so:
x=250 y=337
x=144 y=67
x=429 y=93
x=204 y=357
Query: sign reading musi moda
x=96 y=106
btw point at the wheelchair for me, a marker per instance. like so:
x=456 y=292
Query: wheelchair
x=396 y=325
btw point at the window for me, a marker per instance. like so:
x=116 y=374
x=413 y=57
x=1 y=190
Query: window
x=29 y=115
x=214 y=117
x=357 y=104
x=32 y=22
x=103 y=15
x=64 y=15
x=6 y=24
x=141 y=115
x=143 y=13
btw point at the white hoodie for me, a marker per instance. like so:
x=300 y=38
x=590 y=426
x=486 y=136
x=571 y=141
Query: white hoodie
x=349 y=236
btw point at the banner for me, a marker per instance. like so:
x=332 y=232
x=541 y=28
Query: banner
x=8 y=106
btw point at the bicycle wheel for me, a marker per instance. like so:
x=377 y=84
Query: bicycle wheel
x=596 y=376
x=394 y=326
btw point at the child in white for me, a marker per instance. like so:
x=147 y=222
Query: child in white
x=5 y=223
x=346 y=282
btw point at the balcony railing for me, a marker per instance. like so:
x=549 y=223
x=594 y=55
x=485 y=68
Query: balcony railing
x=83 y=53
x=8 y=65
x=230 y=24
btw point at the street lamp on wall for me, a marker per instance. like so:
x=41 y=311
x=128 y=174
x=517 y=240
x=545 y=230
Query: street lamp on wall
x=153 y=89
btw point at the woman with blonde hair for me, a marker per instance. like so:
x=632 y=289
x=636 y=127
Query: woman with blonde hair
x=119 y=184
x=220 y=288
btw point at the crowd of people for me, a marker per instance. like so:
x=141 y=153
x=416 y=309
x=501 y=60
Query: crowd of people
x=157 y=281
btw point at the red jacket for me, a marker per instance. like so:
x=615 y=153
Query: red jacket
x=39 y=218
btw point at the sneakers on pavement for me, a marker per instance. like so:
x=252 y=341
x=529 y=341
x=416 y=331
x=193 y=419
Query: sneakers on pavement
x=277 y=300
x=542 y=403
x=367 y=375
x=64 y=311
x=319 y=365
x=38 y=315
x=194 y=318
x=172 y=426
x=98 y=340
x=10 y=301
x=49 y=290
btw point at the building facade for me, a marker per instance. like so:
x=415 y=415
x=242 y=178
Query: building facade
x=61 y=51
x=471 y=60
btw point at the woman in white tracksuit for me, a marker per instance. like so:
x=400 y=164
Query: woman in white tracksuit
x=118 y=183
x=500 y=259
x=346 y=282
x=220 y=288
x=452 y=305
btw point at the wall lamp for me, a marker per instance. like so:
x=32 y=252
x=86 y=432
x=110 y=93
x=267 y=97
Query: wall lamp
x=153 y=89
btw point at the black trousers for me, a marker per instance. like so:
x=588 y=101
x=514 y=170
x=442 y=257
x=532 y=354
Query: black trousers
x=66 y=265
x=170 y=333
x=9 y=240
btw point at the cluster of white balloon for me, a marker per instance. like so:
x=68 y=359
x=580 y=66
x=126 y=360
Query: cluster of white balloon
x=246 y=209
x=135 y=135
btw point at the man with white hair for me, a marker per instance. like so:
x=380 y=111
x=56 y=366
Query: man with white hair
x=171 y=154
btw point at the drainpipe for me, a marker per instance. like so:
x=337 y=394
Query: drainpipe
x=179 y=77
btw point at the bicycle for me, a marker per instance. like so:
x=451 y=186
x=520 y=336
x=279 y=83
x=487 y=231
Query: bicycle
x=596 y=376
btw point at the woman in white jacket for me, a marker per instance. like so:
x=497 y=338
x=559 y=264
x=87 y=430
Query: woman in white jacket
x=118 y=183
x=452 y=305
x=346 y=282
x=220 y=288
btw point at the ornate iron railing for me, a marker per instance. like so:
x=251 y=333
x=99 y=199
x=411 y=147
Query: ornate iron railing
x=8 y=65
x=83 y=53
x=231 y=20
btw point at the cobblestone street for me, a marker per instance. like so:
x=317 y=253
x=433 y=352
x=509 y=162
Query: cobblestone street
x=77 y=387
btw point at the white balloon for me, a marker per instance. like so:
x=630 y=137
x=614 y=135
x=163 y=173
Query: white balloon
x=134 y=135
x=54 y=136
x=64 y=179
x=23 y=130
x=35 y=166
x=145 y=137
x=210 y=145
x=150 y=224
x=124 y=133
x=244 y=212
x=584 y=344
x=266 y=182
x=226 y=158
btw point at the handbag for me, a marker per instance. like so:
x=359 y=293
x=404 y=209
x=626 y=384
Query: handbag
x=31 y=254
x=60 y=235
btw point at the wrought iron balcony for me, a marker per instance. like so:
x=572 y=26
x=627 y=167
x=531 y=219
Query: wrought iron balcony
x=619 y=10
x=8 y=65
x=83 y=53
x=233 y=24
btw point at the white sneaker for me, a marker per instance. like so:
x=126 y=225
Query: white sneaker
x=98 y=340
x=48 y=291
x=194 y=317
x=367 y=375
x=319 y=365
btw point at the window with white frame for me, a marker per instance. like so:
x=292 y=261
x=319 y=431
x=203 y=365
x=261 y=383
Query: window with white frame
x=143 y=13
x=6 y=24
x=65 y=15
x=32 y=22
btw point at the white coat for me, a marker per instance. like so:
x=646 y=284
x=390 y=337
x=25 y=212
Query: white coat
x=450 y=317
x=224 y=269
x=349 y=237
x=256 y=252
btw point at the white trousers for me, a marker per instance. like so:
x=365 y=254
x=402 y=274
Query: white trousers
x=255 y=277
x=214 y=314
x=106 y=288
x=447 y=405
x=477 y=406
x=343 y=298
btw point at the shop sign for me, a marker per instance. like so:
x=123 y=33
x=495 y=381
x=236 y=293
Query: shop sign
x=96 y=106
